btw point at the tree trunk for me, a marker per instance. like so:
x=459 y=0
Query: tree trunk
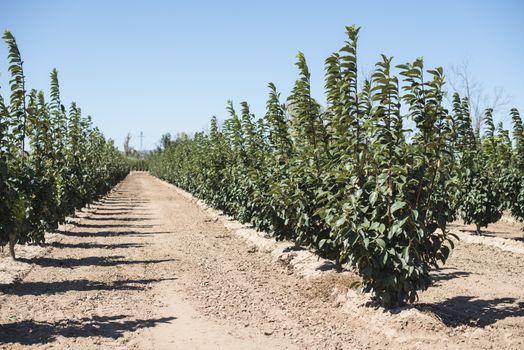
x=12 y=242
x=479 y=233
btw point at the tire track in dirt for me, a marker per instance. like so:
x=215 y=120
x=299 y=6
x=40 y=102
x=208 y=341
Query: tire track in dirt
x=148 y=269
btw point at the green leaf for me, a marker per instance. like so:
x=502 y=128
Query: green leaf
x=381 y=243
x=397 y=205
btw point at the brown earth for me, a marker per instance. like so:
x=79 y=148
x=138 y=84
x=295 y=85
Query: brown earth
x=149 y=269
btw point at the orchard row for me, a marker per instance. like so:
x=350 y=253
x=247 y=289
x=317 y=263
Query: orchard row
x=52 y=161
x=348 y=179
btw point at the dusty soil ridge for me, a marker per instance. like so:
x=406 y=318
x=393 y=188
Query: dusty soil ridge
x=304 y=262
x=508 y=245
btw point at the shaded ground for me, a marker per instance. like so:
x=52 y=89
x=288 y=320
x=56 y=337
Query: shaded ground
x=148 y=269
x=507 y=227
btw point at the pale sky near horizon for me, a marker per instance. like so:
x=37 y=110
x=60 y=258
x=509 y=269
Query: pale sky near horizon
x=168 y=66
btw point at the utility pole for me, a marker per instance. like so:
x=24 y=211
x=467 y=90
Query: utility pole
x=141 y=136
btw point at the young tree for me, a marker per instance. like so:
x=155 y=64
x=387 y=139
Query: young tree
x=516 y=202
x=479 y=199
x=127 y=147
x=15 y=227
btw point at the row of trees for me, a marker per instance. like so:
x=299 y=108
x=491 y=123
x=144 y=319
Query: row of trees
x=52 y=161
x=349 y=179
x=491 y=171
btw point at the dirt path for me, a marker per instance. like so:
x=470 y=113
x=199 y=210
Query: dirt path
x=148 y=269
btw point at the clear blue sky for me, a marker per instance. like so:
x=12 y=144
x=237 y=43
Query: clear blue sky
x=168 y=66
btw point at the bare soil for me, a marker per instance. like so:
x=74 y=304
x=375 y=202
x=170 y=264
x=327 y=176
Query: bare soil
x=149 y=268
